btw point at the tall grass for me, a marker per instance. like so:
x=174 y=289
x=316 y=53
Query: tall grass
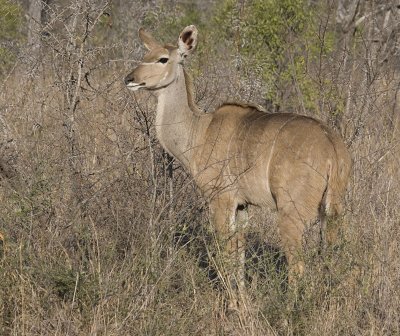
x=100 y=238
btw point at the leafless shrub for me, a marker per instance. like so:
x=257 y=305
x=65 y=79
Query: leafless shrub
x=104 y=235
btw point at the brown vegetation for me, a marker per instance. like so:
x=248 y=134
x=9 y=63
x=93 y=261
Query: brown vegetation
x=104 y=235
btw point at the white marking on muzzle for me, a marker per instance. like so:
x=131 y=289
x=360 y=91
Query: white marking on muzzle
x=134 y=86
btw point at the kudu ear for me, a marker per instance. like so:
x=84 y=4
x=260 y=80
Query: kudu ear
x=187 y=40
x=148 y=40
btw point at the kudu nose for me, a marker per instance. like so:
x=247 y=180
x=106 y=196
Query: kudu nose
x=129 y=79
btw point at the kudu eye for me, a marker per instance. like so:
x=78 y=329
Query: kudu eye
x=163 y=60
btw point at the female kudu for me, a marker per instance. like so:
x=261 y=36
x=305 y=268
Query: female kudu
x=240 y=155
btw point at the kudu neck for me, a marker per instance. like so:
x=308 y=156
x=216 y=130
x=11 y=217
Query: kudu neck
x=178 y=119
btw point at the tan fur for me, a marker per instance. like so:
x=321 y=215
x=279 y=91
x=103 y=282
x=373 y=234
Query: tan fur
x=240 y=155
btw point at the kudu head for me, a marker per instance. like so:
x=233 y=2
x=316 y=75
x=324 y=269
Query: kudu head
x=159 y=66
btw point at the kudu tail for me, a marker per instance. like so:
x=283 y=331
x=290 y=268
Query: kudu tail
x=333 y=201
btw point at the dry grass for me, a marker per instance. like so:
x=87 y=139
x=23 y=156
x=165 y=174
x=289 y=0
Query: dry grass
x=100 y=240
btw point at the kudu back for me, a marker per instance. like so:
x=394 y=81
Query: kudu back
x=240 y=155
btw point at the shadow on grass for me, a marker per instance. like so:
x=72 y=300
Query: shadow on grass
x=263 y=260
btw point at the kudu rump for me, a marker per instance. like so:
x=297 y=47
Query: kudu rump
x=240 y=156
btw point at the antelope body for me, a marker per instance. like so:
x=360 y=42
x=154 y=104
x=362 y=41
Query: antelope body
x=240 y=155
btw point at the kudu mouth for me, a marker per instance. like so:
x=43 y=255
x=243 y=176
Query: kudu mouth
x=131 y=84
x=135 y=86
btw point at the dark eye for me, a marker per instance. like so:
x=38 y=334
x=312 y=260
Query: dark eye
x=163 y=60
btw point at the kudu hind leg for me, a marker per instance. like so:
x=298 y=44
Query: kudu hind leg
x=331 y=223
x=291 y=230
x=241 y=222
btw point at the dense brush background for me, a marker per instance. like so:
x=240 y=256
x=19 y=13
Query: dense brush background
x=101 y=234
